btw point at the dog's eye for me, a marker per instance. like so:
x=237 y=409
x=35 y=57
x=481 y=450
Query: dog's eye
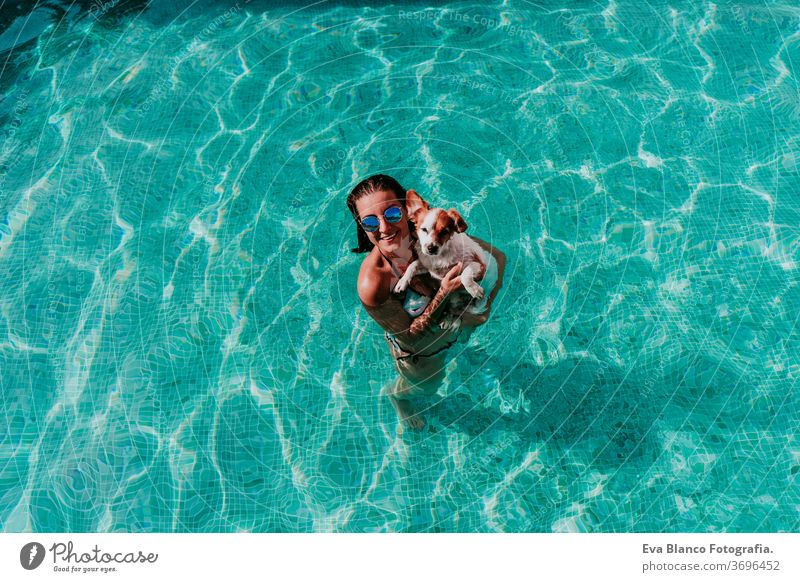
x=425 y=230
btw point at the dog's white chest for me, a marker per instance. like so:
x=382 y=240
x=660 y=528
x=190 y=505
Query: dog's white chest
x=440 y=272
x=437 y=268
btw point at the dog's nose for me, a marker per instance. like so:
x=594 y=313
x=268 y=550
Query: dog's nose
x=433 y=249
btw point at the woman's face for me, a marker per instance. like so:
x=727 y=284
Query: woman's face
x=389 y=237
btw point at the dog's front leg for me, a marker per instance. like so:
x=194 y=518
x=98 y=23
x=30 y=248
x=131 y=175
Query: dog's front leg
x=414 y=268
x=468 y=279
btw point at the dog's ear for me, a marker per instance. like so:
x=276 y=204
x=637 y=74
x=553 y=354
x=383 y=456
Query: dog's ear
x=415 y=204
x=461 y=224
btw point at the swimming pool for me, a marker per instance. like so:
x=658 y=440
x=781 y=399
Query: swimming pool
x=181 y=344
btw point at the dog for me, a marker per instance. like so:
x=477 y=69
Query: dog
x=441 y=244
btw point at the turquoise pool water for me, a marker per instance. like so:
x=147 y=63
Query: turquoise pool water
x=181 y=345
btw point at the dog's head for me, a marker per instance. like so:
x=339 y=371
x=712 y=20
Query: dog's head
x=434 y=226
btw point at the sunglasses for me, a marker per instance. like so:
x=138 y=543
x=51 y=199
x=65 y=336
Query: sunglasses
x=392 y=215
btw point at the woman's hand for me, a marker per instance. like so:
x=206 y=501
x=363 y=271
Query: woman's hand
x=452 y=281
x=433 y=312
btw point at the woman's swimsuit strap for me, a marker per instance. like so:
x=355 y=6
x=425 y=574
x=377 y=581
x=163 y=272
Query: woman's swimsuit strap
x=403 y=354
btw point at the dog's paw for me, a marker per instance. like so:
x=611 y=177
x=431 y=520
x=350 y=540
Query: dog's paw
x=476 y=291
x=401 y=286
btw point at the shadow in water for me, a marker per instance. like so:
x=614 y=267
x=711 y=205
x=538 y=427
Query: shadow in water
x=574 y=403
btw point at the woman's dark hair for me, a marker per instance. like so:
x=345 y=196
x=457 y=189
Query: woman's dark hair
x=366 y=187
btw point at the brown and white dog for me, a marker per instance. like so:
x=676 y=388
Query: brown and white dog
x=441 y=244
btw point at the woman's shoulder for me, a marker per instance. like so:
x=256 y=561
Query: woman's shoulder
x=374 y=280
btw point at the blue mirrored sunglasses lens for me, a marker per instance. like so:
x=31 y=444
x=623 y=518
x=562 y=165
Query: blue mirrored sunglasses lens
x=393 y=214
x=370 y=223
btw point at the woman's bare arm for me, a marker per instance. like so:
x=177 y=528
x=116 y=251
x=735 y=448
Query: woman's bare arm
x=388 y=312
x=391 y=316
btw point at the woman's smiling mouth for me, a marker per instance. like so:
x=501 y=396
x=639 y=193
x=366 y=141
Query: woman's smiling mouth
x=389 y=238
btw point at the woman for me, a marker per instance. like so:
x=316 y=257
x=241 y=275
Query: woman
x=418 y=324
